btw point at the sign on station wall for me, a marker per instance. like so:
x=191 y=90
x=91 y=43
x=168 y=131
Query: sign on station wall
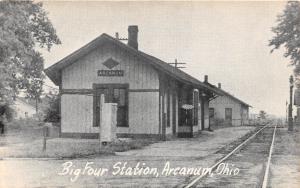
x=110 y=73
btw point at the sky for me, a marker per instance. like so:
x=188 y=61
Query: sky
x=228 y=41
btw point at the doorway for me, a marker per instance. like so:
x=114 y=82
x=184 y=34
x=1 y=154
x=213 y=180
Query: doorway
x=113 y=93
x=228 y=116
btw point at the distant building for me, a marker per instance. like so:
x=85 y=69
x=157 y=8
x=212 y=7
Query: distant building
x=297 y=104
x=23 y=109
x=154 y=98
x=228 y=110
x=253 y=116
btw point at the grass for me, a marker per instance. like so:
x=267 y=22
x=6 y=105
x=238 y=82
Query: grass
x=70 y=148
x=131 y=144
x=24 y=139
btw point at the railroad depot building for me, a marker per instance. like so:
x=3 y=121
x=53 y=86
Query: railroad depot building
x=228 y=110
x=154 y=99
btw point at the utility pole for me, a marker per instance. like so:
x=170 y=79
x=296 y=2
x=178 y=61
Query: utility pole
x=290 y=118
x=36 y=105
x=176 y=63
x=287 y=111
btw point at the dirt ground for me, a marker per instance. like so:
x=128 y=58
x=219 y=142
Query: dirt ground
x=26 y=140
x=285 y=163
x=201 y=146
x=197 y=152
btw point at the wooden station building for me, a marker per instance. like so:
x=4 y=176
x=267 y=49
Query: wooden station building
x=154 y=98
x=228 y=110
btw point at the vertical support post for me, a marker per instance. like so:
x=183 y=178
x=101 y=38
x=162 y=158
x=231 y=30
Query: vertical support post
x=102 y=100
x=174 y=111
x=290 y=118
x=45 y=133
x=287 y=112
x=202 y=112
x=164 y=116
x=164 y=122
x=36 y=105
x=59 y=108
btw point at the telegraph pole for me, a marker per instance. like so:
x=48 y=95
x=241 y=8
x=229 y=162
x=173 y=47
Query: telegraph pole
x=286 y=111
x=176 y=63
x=290 y=118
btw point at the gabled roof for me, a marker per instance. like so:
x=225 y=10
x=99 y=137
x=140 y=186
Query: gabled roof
x=236 y=99
x=54 y=71
x=225 y=93
x=24 y=101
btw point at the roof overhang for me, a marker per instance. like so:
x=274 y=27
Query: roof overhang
x=54 y=72
x=224 y=93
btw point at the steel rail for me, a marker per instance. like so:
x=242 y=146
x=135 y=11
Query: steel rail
x=266 y=176
x=224 y=158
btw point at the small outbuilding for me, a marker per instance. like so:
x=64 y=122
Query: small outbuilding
x=154 y=99
x=23 y=109
x=228 y=110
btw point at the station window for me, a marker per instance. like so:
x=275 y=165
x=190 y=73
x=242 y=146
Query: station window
x=113 y=93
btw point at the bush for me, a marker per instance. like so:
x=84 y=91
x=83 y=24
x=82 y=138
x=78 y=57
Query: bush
x=6 y=111
x=52 y=112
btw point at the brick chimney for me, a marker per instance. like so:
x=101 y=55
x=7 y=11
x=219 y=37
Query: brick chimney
x=133 y=36
x=205 y=78
x=219 y=85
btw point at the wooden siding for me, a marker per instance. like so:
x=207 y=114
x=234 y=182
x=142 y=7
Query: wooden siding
x=168 y=91
x=143 y=96
x=206 y=114
x=220 y=103
x=77 y=114
x=143 y=113
x=245 y=115
x=198 y=127
x=83 y=73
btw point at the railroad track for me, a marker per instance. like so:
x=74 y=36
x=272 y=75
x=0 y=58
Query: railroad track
x=247 y=165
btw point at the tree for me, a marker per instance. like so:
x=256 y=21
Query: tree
x=52 y=112
x=7 y=111
x=262 y=114
x=24 y=28
x=287 y=34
